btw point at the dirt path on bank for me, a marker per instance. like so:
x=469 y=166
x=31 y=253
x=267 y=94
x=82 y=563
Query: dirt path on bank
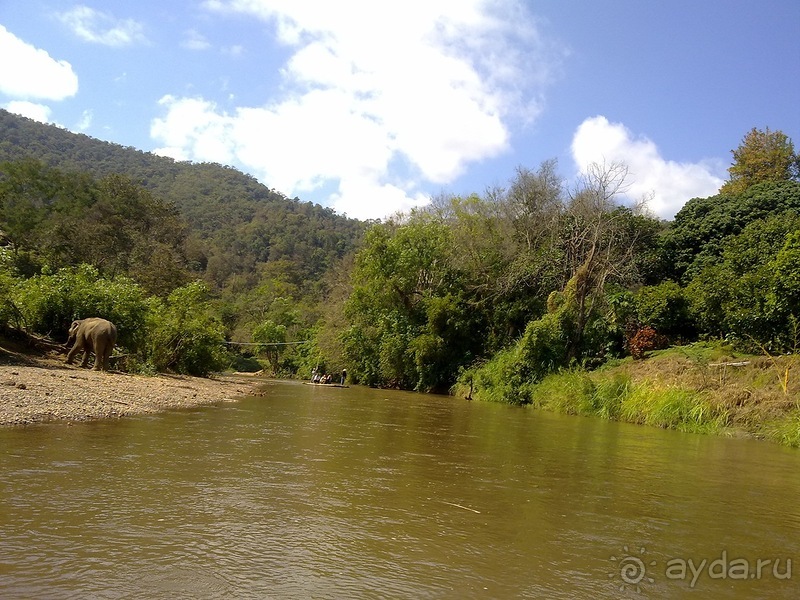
x=35 y=389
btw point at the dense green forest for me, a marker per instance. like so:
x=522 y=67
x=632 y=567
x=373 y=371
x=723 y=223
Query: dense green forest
x=497 y=291
x=486 y=294
x=69 y=202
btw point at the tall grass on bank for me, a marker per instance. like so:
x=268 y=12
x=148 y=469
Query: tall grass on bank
x=614 y=396
x=784 y=431
x=705 y=387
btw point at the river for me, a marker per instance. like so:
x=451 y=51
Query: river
x=321 y=492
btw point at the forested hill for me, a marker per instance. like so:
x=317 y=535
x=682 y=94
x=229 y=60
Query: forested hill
x=235 y=223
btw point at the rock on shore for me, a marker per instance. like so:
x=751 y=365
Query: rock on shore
x=41 y=389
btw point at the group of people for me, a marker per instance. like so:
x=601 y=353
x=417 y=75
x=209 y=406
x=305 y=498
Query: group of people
x=317 y=377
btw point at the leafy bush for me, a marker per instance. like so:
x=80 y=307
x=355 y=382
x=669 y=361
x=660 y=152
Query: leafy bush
x=184 y=335
x=49 y=302
x=752 y=293
x=664 y=308
x=498 y=380
x=645 y=340
x=9 y=313
x=700 y=229
x=542 y=349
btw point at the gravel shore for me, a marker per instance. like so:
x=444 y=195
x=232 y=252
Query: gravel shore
x=39 y=389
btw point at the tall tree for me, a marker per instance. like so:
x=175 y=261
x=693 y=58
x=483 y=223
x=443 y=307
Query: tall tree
x=411 y=325
x=700 y=229
x=763 y=156
x=600 y=242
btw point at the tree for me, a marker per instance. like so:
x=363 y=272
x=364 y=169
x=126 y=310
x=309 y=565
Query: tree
x=664 y=308
x=507 y=248
x=411 y=323
x=761 y=157
x=600 y=242
x=751 y=293
x=703 y=226
x=535 y=202
x=272 y=335
x=184 y=333
x=30 y=194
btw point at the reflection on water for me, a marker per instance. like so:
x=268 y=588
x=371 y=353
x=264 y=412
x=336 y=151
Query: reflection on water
x=331 y=492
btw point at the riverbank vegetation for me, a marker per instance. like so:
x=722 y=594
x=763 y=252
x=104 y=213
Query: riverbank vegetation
x=539 y=292
x=698 y=388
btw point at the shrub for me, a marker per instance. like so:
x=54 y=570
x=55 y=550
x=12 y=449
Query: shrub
x=644 y=340
x=184 y=335
x=49 y=302
x=665 y=308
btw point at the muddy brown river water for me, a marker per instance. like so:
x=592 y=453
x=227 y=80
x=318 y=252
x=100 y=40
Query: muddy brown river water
x=315 y=492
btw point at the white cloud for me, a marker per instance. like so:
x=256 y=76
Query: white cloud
x=193 y=130
x=376 y=107
x=32 y=110
x=194 y=40
x=85 y=121
x=672 y=183
x=235 y=50
x=102 y=28
x=33 y=73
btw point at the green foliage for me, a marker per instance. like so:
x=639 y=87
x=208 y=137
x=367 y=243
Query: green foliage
x=615 y=396
x=664 y=308
x=64 y=219
x=360 y=345
x=750 y=295
x=409 y=310
x=184 y=334
x=569 y=392
x=179 y=333
x=76 y=199
x=497 y=380
x=270 y=332
x=273 y=336
x=786 y=268
x=48 y=303
x=462 y=287
x=700 y=229
x=543 y=347
x=608 y=396
x=784 y=431
x=541 y=350
x=762 y=156
x=9 y=312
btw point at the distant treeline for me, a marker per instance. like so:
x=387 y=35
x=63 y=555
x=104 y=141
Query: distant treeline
x=68 y=200
x=490 y=292
x=496 y=291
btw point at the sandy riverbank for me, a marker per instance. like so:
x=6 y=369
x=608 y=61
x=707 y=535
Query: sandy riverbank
x=36 y=389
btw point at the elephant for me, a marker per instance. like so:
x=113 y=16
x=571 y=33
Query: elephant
x=92 y=335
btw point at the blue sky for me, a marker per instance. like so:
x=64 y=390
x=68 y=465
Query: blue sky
x=375 y=106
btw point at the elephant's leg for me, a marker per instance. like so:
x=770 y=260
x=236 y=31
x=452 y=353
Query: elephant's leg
x=86 y=352
x=107 y=357
x=100 y=358
x=72 y=352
